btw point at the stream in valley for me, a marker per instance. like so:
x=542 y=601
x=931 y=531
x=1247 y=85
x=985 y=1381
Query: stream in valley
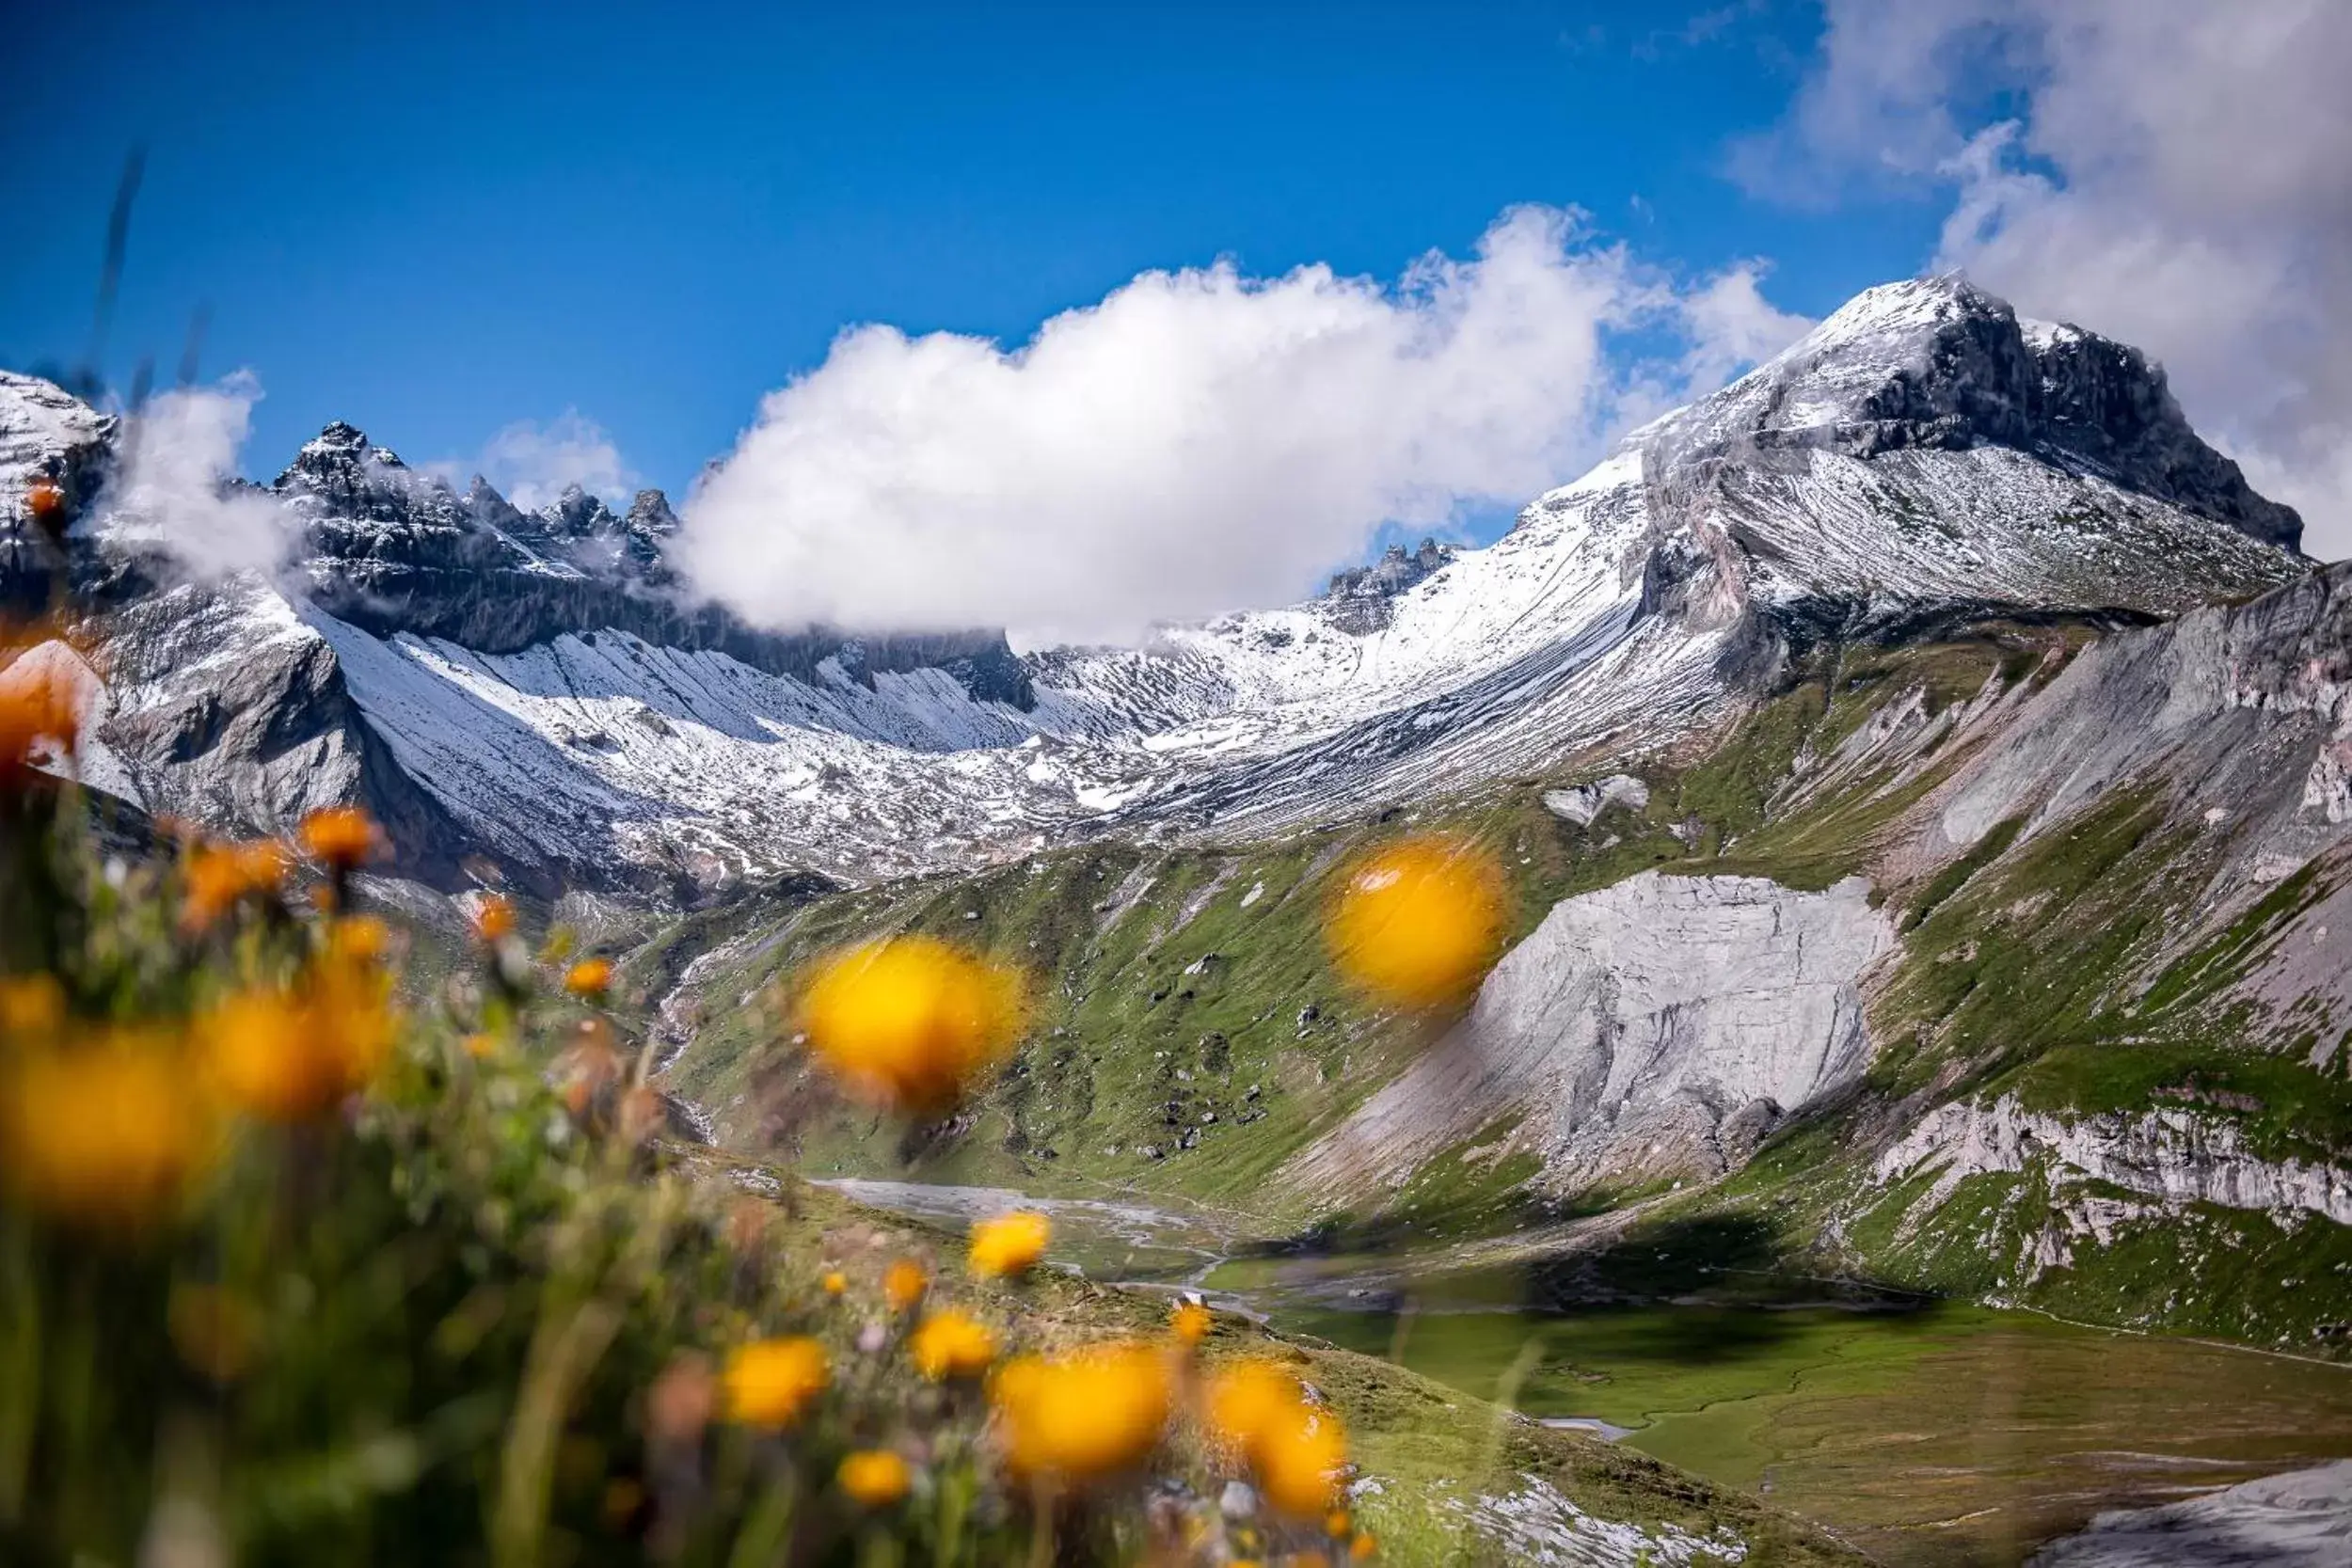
x=1925 y=1433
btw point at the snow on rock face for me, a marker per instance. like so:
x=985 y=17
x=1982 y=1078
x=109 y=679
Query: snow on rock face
x=2175 y=1155
x=45 y=433
x=604 y=745
x=1663 y=1025
x=1936 y=364
x=1920 y=446
x=1921 y=450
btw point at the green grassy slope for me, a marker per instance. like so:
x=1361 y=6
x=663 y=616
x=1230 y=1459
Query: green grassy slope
x=1191 y=1035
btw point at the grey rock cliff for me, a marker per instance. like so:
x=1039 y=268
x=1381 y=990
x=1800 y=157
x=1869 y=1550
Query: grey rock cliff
x=1660 y=1026
x=1938 y=364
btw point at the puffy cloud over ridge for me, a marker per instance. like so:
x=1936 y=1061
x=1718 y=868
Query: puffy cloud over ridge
x=1198 y=441
x=172 y=491
x=531 y=462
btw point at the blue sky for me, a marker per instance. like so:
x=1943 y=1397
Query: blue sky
x=626 y=244
x=437 y=221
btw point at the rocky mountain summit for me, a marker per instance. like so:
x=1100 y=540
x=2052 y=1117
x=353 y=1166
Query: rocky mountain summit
x=1361 y=595
x=531 y=688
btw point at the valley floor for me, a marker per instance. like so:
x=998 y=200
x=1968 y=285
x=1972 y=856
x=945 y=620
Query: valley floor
x=1923 y=1431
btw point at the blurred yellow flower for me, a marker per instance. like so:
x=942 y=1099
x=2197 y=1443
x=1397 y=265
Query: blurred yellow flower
x=1363 y=1547
x=44 y=503
x=1244 y=1397
x=1419 y=923
x=1296 y=1449
x=105 y=1130
x=1300 y=1465
x=268 y=1056
x=345 y=837
x=951 y=1344
x=286 y=1056
x=480 y=1045
x=1092 y=1413
x=1009 y=1245
x=875 y=1477
x=769 y=1381
x=218 y=875
x=359 y=941
x=36 y=704
x=907 y=1022
x=903 y=1284
x=834 y=1282
x=494 y=918
x=589 y=978
x=32 y=1007
x=1189 y=1323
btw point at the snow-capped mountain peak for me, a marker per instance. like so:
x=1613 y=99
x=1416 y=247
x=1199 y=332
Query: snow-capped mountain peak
x=528 y=685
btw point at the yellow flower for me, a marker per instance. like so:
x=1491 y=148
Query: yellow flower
x=289 y=1057
x=589 y=978
x=1189 y=1323
x=32 y=1007
x=951 y=1344
x=359 y=941
x=494 y=918
x=834 y=1282
x=1295 y=1448
x=903 y=1284
x=268 y=1056
x=1244 y=1397
x=1009 y=1245
x=907 y=1022
x=44 y=503
x=1363 y=1547
x=875 y=1477
x=1093 y=1413
x=1418 y=923
x=480 y=1045
x=220 y=876
x=345 y=837
x=769 y=1381
x=104 y=1132
x=36 y=704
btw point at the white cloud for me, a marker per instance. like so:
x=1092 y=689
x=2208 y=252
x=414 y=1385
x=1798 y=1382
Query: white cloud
x=2169 y=172
x=531 y=462
x=1195 y=441
x=171 y=491
x=1731 y=324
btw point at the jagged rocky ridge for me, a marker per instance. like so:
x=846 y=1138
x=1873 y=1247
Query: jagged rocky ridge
x=532 y=689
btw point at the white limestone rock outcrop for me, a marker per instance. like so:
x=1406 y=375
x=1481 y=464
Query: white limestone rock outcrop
x=1584 y=802
x=1657 y=1027
x=2174 y=1156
